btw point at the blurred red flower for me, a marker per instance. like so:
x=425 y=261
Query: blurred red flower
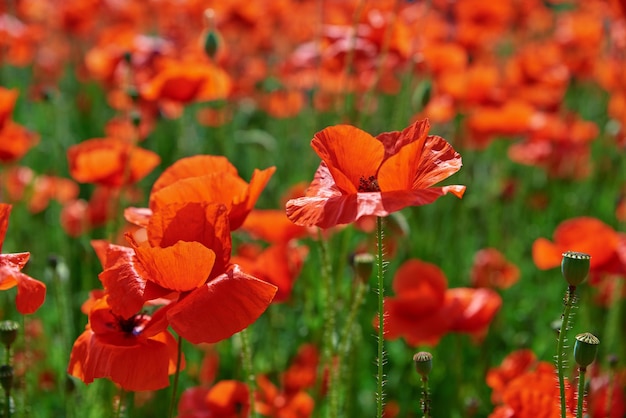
x=606 y=247
x=15 y=141
x=533 y=394
x=225 y=399
x=424 y=310
x=110 y=162
x=31 y=293
x=491 y=269
x=364 y=175
x=136 y=352
x=513 y=366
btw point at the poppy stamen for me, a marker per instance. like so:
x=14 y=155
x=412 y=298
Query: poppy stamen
x=368 y=185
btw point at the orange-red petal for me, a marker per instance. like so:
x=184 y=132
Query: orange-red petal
x=222 y=307
x=31 y=294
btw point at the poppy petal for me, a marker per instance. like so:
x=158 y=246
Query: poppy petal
x=195 y=166
x=221 y=308
x=181 y=267
x=31 y=294
x=350 y=153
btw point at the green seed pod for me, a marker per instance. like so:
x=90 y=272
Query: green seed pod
x=585 y=349
x=575 y=267
x=363 y=264
x=8 y=332
x=423 y=362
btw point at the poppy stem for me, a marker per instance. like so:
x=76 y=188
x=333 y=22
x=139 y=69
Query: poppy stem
x=380 y=359
x=120 y=403
x=581 y=391
x=570 y=299
x=246 y=358
x=425 y=398
x=179 y=356
x=328 y=295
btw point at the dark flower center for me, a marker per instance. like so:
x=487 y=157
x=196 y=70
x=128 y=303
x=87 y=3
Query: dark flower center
x=133 y=325
x=369 y=184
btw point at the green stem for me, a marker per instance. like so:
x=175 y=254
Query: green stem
x=7 y=403
x=581 y=391
x=380 y=360
x=246 y=358
x=120 y=404
x=179 y=357
x=560 y=354
x=344 y=347
x=329 y=313
x=425 y=397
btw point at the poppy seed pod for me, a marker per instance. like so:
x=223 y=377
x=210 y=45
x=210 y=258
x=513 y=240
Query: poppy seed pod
x=211 y=43
x=575 y=267
x=423 y=363
x=8 y=332
x=585 y=349
x=363 y=265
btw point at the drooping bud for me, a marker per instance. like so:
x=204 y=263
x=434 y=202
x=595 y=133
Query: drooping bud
x=575 y=267
x=423 y=362
x=585 y=349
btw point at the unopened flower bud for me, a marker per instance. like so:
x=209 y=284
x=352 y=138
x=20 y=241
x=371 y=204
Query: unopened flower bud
x=585 y=349
x=575 y=267
x=423 y=362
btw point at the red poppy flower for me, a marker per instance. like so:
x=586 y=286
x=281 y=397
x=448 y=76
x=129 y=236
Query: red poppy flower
x=533 y=394
x=278 y=264
x=8 y=97
x=364 y=175
x=272 y=226
x=31 y=293
x=184 y=82
x=213 y=302
x=15 y=141
x=110 y=162
x=135 y=352
x=424 y=310
x=226 y=399
x=207 y=178
x=492 y=270
x=513 y=366
x=584 y=234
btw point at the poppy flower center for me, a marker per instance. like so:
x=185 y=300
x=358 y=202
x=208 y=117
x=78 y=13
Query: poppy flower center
x=133 y=325
x=369 y=184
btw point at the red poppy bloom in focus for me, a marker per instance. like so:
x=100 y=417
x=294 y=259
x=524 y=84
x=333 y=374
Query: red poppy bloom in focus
x=364 y=175
x=110 y=162
x=424 y=310
x=31 y=293
x=208 y=178
x=135 y=352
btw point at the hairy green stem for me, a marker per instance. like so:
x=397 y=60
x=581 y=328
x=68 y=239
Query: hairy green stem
x=560 y=354
x=328 y=294
x=179 y=356
x=120 y=404
x=425 y=398
x=581 y=391
x=380 y=360
x=248 y=369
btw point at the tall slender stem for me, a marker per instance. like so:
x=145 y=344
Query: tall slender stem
x=328 y=294
x=380 y=360
x=560 y=354
x=179 y=357
x=425 y=397
x=120 y=404
x=248 y=369
x=581 y=391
